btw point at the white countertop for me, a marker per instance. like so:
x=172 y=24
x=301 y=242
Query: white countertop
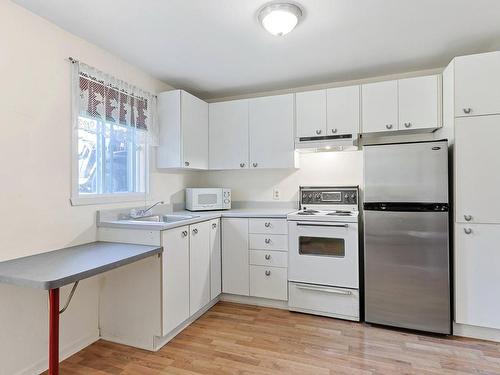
x=274 y=213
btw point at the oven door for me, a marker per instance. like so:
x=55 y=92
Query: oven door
x=324 y=253
x=207 y=199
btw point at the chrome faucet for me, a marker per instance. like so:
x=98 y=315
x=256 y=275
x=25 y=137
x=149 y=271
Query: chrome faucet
x=138 y=213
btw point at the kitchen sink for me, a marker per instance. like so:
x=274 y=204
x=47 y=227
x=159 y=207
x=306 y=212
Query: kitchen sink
x=165 y=218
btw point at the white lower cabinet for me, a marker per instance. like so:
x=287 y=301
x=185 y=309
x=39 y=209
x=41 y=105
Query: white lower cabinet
x=199 y=266
x=175 y=274
x=215 y=259
x=255 y=257
x=268 y=282
x=269 y=258
x=477 y=276
x=235 y=278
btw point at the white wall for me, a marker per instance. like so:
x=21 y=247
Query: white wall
x=324 y=168
x=35 y=171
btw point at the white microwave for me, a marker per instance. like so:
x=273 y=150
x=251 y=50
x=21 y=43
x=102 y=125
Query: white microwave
x=202 y=199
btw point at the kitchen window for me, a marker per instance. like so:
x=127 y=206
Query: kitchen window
x=113 y=127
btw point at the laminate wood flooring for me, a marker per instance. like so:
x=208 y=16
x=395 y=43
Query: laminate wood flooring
x=241 y=339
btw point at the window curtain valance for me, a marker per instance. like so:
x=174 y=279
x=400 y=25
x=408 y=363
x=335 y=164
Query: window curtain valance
x=106 y=98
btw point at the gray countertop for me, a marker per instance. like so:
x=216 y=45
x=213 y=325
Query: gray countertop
x=272 y=213
x=57 y=268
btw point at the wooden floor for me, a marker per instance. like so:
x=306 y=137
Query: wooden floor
x=241 y=339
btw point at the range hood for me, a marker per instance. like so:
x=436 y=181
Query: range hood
x=343 y=142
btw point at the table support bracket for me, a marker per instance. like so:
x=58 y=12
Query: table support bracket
x=75 y=285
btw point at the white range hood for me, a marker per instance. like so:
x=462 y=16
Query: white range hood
x=345 y=142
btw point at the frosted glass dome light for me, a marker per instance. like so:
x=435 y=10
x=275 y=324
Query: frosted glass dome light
x=280 y=18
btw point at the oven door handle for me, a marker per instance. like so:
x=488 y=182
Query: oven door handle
x=303 y=224
x=326 y=290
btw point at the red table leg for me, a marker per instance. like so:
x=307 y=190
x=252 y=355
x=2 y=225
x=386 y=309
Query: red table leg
x=54 y=331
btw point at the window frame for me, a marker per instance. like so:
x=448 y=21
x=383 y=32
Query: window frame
x=79 y=199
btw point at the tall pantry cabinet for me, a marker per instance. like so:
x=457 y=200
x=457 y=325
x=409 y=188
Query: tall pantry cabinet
x=472 y=112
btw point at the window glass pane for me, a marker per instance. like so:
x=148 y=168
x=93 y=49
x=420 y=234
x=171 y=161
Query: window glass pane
x=112 y=158
x=87 y=155
x=322 y=246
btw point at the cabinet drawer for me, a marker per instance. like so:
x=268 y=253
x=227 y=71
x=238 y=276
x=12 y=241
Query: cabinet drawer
x=271 y=226
x=268 y=258
x=268 y=242
x=324 y=300
x=268 y=282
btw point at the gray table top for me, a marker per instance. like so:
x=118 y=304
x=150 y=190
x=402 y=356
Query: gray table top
x=57 y=268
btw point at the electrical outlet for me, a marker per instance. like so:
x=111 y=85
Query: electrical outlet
x=276 y=193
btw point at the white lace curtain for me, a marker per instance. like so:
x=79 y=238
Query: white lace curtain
x=109 y=99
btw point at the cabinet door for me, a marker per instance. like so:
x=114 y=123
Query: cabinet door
x=477 y=84
x=271 y=132
x=342 y=110
x=379 y=105
x=419 y=102
x=235 y=271
x=310 y=109
x=199 y=266
x=215 y=259
x=175 y=269
x=194 y=122
x=477 y=280
x=228 y=138
x=477 y=162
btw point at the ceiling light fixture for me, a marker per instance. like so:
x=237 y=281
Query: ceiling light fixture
x=280 y=18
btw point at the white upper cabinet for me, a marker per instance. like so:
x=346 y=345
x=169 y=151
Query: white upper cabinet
x=477 y=162
x=419 y=102
x=183 y=122
x=342 y=110
x=477 y=84
x=310 y=110
x=379 y=105
x=228 y=135
x=271 y=132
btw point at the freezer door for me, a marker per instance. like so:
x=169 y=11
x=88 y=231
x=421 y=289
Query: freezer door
x=407 y=272
x=407 y=172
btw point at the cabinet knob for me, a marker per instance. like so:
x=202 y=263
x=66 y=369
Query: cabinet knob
x=195 y=231
x=318 y=132
x=334 y=131
x=214 y=225
x=407 y=124
x=267 y=240
x=467 y=110
x=184 y=233
x=468 y=230
x=186 y=163
x=267 y=225
x=389 y=126
x=467 y=217
x=268 y=273
x=268 y=256
x=242 y=165
x=255 y=165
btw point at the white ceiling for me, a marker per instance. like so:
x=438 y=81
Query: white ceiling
x=216 y=48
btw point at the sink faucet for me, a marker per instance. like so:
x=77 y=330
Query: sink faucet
x=138 y=213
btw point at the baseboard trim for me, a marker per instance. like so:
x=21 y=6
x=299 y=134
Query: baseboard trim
x=257 y=301
x=159 y=342
x=476 y=332
x=66 y=352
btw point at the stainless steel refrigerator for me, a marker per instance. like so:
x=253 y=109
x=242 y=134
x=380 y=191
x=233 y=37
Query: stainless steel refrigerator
x=406 y=236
